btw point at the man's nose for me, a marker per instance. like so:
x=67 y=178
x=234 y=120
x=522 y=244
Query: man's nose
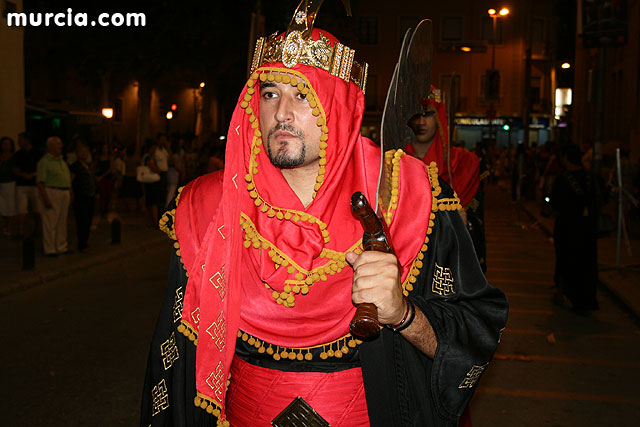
x=284 y=112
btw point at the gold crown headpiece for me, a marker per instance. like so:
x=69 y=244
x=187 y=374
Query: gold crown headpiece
x=298 y=47
x=435 y=95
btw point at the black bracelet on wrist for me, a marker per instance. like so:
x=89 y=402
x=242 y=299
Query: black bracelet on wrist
x=407 y=319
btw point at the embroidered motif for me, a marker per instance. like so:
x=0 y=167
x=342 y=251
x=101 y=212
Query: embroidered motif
x=234 y=180
x=472 y=376
x=216 y=381
x=218 y=331
x=195 y=315
x=500 y=334
x=218 y=282
x=442 y=281
x=178 y=300
x=220 y=231
x=160 y=398
x=169 y=351
x=237 y=130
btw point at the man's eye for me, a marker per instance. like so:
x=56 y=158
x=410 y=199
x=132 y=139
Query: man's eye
x=302 y=96
x=268 y=94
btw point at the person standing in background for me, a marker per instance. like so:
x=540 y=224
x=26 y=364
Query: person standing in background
x=84 y=195
x=104 y=175
x=161 y=158
x=575 y=232
x=54 y=182
x=7 y=183
x=119 y=171
x=24 y=168
x=154 y=192
x=175 y=173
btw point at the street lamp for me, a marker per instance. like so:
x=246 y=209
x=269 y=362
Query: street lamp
x=107 y=112
x=493 y=75
x=566 y=66
x=495 y=15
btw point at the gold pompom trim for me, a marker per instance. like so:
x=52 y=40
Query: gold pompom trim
x=188 y=331
x=167 y=225
x=301 y=279
x=444 y=204
x=336 y=348
x=287 y=77
x=392 y=166
x=418 y=262
x=212 y=407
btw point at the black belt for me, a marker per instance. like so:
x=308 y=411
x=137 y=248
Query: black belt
x=59 y=188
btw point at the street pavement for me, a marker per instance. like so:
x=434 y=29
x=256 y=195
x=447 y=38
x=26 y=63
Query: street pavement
x=553 y=366
x=77 y=332
x=136 y=234
x=621 y=279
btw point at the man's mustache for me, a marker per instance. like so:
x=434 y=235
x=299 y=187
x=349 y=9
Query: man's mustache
x=286 y=127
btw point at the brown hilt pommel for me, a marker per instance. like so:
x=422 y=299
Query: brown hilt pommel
x=365 y=322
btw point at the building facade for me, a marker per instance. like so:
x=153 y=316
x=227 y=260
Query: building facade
x=12 y=102
x=464 y=48
x=620 y=119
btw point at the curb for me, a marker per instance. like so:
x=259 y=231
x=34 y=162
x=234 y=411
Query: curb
x=48 y=277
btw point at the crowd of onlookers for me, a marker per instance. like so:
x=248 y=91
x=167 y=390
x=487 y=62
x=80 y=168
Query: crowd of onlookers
x=584 y=202
x=531 y=172
x=41 y=184
x=99 y=180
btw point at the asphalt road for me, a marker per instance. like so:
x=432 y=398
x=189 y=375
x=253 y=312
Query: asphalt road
x=553 y=367
x=74 y=351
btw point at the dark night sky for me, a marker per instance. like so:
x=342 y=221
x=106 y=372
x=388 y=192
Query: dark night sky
x=186 y=41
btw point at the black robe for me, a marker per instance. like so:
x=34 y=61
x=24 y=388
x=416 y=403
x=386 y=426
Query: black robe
x=573 y=199
x=403 y=386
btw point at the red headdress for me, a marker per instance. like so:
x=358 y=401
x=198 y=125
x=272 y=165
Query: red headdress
x=267 y=268
x=457 y=166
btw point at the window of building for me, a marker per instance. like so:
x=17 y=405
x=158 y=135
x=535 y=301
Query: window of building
x=406 y=22
x=487 y=29
x=537 y=30
x=368 y=30
x=451 y=29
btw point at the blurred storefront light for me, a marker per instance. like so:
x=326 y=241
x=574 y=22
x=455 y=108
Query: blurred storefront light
x=563 y=97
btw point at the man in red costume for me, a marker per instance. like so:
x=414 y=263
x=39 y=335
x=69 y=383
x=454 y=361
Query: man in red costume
x=459 y=167
x=268 y=265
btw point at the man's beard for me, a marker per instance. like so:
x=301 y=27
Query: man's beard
x=281 y=159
